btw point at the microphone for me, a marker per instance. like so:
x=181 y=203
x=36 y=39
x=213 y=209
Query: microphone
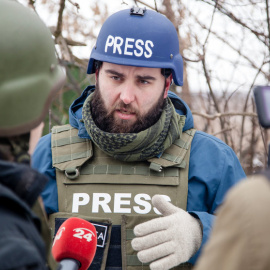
x=75 y=244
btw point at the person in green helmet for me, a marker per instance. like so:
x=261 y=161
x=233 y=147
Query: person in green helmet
x=29 y=78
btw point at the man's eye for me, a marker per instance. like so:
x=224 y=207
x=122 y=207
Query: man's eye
x=144 y=82
x=116 y=78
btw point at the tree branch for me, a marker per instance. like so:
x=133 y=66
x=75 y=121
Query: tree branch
x=58 y=30
x=218 y=115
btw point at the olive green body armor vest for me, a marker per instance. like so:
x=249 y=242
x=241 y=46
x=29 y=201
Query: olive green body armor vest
x=108 y=192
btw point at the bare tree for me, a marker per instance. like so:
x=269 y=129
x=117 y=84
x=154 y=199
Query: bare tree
x=225 y=46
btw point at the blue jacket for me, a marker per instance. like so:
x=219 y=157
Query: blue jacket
x=213 y=167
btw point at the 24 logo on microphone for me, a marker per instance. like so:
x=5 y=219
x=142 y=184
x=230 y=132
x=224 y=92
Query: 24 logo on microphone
x=83 y=233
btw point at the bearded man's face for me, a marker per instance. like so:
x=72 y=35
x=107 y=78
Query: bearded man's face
x=128 y=99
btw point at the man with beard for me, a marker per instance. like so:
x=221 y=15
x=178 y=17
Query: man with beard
x=130 y=160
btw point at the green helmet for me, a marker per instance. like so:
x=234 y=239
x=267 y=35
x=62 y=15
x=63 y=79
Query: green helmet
x=29 y=71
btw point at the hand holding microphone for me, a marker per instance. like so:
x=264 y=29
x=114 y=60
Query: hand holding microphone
x=75 y=244
x=169 y=240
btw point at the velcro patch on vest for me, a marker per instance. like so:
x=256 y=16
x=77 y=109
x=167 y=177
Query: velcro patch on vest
x=68 y=150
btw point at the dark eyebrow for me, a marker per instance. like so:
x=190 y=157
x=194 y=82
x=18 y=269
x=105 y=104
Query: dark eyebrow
x=111 y=71
x=146 y=78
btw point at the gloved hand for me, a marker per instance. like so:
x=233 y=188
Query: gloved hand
x=169 y=240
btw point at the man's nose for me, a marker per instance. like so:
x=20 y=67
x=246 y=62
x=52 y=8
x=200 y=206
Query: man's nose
x=128 y=93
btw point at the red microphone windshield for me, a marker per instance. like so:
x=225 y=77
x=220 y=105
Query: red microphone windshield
x=75 y=239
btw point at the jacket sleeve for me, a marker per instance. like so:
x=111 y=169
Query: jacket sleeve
x=19 y=253
x=21 y=245
x=42 y=161
x=213 y=170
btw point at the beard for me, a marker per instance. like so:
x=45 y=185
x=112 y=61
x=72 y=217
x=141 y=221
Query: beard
x=104 y=119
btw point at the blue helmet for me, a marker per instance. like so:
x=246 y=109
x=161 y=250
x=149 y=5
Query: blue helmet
x=139 y=37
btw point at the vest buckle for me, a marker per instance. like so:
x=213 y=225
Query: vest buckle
x=155 y=167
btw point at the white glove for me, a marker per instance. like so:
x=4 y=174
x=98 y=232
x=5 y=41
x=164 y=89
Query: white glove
x=169 y=240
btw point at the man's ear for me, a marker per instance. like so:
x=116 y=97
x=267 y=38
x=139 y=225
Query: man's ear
x=35 y=135
x=168 y=83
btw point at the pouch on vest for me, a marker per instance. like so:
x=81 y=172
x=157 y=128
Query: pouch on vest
x=103 y=228
x=130 y=260
x=74 y=155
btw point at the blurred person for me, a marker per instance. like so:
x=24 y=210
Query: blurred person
x=29 y=78
x=130 y=160
x=240 y=238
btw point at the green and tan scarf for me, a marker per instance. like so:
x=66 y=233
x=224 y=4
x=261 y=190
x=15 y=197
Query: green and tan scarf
x=140 y=146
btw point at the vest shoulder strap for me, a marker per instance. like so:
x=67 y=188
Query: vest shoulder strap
x=69 y=151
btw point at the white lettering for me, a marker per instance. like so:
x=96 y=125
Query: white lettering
x=128 y=45
x=101 y=199
x=77 y=201
x=101 y=236
x=83 y=233
x=147 y=205
x=167 y=198
x=147 y=43
x=109 y=42
x=117 y=45
x=59 y=234
x=138 y=46
x=118 y=202
x=115 y=203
